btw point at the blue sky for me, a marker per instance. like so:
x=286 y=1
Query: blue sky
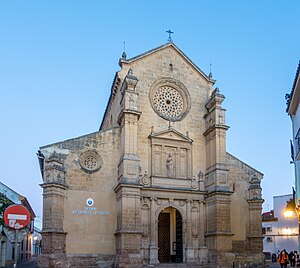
x=58 y=60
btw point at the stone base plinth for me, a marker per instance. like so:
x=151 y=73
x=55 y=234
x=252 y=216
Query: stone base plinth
x=52 y=261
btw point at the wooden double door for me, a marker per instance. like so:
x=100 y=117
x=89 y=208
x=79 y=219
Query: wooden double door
x=170 y=247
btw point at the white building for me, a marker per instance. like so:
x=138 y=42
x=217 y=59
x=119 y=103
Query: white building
x=279 y=232
x=293 y=110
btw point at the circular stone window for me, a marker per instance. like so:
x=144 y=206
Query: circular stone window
x=170 y=99
x=90 y=161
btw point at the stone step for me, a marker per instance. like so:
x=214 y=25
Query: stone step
x=178 y=265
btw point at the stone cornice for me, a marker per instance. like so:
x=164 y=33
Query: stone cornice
x=214 y=127
x=54 y=184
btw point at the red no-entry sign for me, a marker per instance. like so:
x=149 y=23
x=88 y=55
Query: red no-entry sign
x=16 y=216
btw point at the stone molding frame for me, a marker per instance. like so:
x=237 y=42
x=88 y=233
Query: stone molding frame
x=171 y=204
x=90 y=161
x=172 y=95
x=170 y=142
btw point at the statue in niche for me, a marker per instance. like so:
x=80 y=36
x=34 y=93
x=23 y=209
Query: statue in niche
x=170 y=166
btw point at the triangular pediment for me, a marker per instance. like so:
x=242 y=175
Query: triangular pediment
x=178 y=51
x=170 y=134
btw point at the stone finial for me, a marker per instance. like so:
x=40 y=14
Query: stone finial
x=55 y=156
x=210 y=73
x=131 y=80
x=200 y=175
x=254 y=188
x=54 y=171
x=216 y=91
x=216 y=99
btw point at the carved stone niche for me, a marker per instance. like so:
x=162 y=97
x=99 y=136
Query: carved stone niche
x=171 y=158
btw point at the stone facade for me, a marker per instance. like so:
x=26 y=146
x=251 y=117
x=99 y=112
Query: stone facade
x=155 y=184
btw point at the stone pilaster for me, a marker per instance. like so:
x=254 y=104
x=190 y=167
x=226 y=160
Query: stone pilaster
x=218 y=233
x=255 y=201
x=189 y=248
x=128 y=168
x=215 y=137
x=54 y=191
x=153 y=258
x=128 y=233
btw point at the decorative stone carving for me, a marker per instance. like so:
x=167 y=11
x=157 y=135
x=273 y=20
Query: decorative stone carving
x=170 y=166
x=90 y=161
x=171 y=155
x=201 y=180
x=181 y=203
x=54 y=170
x=194 y=184
x=254 y=188
x=146 y=180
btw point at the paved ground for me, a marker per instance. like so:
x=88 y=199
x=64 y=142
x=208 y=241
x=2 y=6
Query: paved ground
x=31 y=264
x=27 y=264
x=273 y=265
x=277 y=265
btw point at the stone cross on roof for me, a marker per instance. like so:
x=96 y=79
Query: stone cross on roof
x=170 y=38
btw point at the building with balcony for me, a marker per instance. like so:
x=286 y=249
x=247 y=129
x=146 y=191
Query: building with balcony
x=293 y=110
x=279 y=232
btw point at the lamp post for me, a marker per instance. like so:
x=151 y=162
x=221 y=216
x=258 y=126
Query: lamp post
x=290 y=211
x=36 y=244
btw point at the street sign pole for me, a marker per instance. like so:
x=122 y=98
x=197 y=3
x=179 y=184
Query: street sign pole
x=16 y=217
x=16 y=247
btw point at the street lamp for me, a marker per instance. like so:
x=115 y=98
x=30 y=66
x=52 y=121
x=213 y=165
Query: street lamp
x=36 y=244
x=290 y=211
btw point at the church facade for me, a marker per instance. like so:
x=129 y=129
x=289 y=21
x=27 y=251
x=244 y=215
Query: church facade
x=155 y=184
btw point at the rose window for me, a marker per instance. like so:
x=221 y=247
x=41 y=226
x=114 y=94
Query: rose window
x=90 y=163
x=168 y=102
x=170 y=99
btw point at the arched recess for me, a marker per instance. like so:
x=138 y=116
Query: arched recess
x=170 y=234
x=170 y=204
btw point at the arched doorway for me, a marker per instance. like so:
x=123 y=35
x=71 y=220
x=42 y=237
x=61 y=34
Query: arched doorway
x=170 y=236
